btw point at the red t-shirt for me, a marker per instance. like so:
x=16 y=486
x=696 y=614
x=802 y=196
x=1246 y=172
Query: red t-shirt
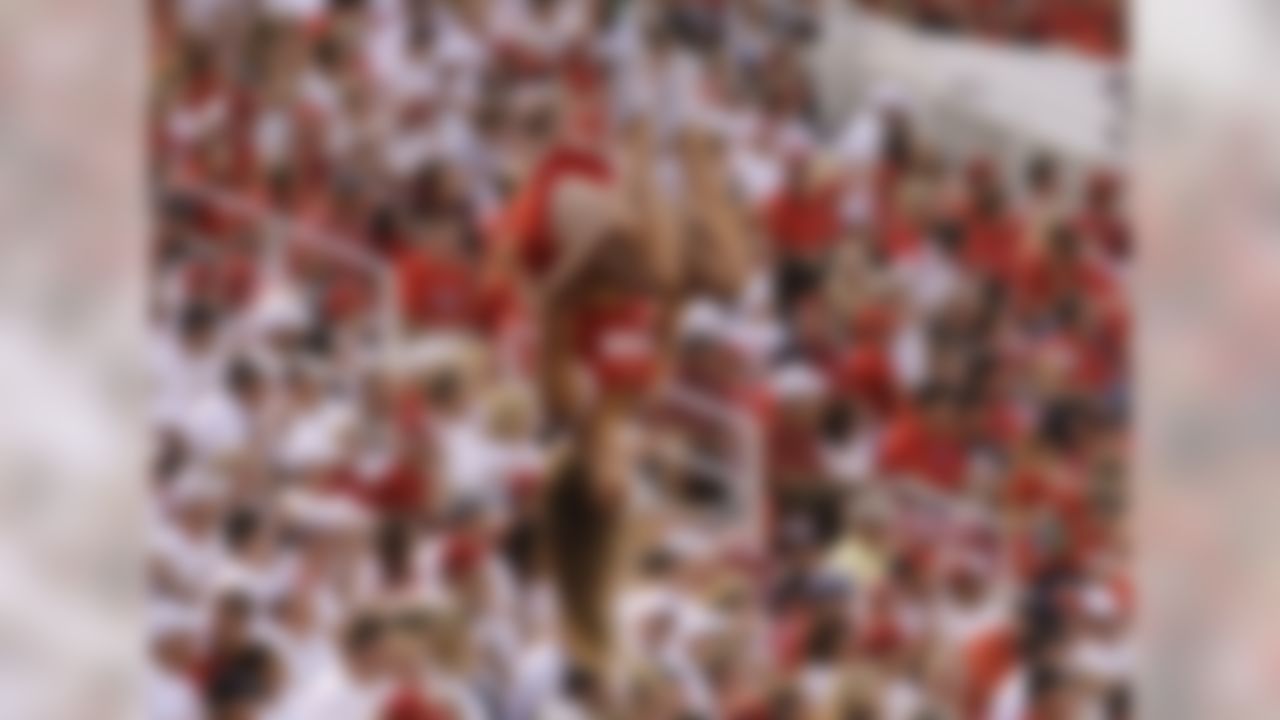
x=1064 y=499
x=399 y=488
x=1094 y=360
x=231 y=278
x=804 y=224
x=1041 y=280
x=348 y=295
x=908 y=447
x=899 y=235
x=436 y=290
x=1105 y=230
x=866 y=374
x=410 y=703
x=993 y=246
x=795 y=453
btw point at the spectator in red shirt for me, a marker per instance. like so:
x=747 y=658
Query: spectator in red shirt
x=994 y=238
x=1100 y=221
x=1062 y=271
x=803 y=222
x=865 y=372
x=438 y=286
x=924 y=443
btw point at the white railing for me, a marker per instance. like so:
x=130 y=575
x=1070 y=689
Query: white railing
x=744 y=471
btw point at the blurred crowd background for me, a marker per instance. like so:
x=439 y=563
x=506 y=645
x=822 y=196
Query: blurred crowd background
x=887 y=477
x=1093 y=27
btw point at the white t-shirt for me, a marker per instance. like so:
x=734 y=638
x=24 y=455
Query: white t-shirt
x=168 y=695
x=262 y=583
x=459 y=50
x=858 y=146
x=199 y=16
x=217 y=426
x=190 y=122
x=181 y=376
x=294 y=10
x=957 y=626
x=818 y=684
x=853 y=460
x=1102 y=660
x=458 y=697
x=902 y=700
x=316 y=435
x=471 y=462
x=449 y=68
x=515 y=22
x=190 y=560
x=332 y=693
x=929 y=278
x=302 y=654
x=909 y=355
x=537 y=681
x=758 y=174
x=1010 y=699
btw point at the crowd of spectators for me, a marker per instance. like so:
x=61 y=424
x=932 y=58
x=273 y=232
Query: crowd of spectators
x=1094 y=27
x=921 y=515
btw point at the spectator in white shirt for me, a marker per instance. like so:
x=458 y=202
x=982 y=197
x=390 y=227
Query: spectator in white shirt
x=353 y=686
x=170 y=689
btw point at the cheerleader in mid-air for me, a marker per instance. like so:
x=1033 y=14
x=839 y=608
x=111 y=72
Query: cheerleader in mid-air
x=593 y=240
